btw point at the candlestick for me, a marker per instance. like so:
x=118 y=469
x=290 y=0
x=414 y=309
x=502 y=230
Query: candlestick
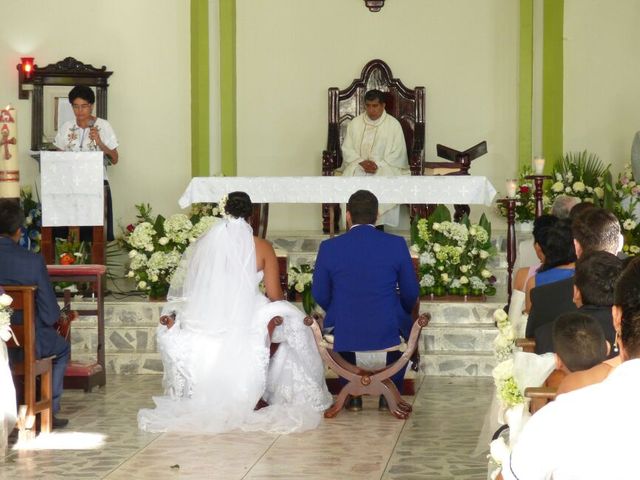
x=538 y=165
x=9 y=171
x=512 y=185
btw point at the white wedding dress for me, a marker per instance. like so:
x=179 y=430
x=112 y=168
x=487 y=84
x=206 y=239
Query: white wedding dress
x=216 y=356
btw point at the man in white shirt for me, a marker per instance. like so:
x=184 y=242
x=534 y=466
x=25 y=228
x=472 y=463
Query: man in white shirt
x=591 y=433
x=375 y=145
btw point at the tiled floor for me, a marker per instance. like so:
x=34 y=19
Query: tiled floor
x=435 y=443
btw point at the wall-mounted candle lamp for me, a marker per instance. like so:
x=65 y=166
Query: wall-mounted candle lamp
x=25 y=72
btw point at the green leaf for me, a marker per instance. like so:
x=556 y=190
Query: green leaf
x=485 y=223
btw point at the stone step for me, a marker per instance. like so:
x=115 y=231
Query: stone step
x=148 y=363
x=449 y=313
x=458 y=364
x=477 y=338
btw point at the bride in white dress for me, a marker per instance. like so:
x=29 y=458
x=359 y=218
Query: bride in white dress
x=215 y=346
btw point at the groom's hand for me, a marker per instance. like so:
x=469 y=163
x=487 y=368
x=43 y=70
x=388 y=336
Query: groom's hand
x=168 y=320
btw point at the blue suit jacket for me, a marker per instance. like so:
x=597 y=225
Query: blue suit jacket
x=19 y=266
x=366 y=283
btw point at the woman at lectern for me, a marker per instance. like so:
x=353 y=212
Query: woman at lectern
x=89 y=133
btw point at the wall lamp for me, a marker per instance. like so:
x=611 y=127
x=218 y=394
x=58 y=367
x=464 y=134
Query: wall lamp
x=25 y=72
x=374 y=5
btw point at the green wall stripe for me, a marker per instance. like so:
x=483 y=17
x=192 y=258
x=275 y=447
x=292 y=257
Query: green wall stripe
x=525 y=142
x=228 y=87
x=552 y=82
x=199 y=88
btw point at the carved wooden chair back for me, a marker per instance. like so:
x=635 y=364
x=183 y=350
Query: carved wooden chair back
x=405 y=104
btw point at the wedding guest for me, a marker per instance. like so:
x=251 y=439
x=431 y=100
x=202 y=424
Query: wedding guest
x=595 y=229
x=559 y=258
x=88 y=133
x=562 y=206
x=596 y=275
x=571 y=437
x=578 y=342
x=541 y=226
x=19 y=266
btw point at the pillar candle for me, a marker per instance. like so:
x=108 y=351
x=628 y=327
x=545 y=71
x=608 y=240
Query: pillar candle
x=9 y=167
x=512 y=185
x=538 y=165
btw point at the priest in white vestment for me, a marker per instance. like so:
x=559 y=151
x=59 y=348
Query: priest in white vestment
x=375 y=145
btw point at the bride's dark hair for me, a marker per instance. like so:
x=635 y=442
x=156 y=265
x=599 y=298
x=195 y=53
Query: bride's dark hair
x=239 y=205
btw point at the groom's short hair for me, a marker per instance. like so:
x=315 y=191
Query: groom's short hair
x=363 y=207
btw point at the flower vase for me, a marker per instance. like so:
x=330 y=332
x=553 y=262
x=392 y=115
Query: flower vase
x=158 y=293
x=524 y=227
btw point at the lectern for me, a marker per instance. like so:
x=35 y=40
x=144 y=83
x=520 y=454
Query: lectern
x=72 y=186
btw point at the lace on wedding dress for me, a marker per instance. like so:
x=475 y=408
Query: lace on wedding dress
x=216 y=357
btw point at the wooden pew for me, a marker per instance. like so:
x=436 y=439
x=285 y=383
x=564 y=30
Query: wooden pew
x=528 y=345
x=31 y=367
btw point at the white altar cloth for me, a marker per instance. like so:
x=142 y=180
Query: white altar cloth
x=471 y=190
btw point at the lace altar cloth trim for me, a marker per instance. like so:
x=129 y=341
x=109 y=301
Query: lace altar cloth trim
x=474 y=190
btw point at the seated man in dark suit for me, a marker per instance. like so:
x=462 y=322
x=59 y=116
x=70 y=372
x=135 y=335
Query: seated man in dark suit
x=19 y=266
x=595 y=230
x=596 y=275
x=366 y=283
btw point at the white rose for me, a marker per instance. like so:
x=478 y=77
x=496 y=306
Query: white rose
x=599 y=192
x=557 y=187
x=130 y=274
x=5 y=300
x=444 y=277
x=578 y=187
x=154 y=278
x=163 y=240
x=142 y=285
x=133 y=253
x=484 y=254
x=299 y=287
x=499 y=315
x=568 y=190
x=464 y=268
x=464 y=280
x=436 y=247
x=415 y=248
x=503 y=371
x=473 y=231
x=485 y=273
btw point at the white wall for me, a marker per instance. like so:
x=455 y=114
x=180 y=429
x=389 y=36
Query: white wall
x=289 y=52
x=601 y=78
x=146 y=44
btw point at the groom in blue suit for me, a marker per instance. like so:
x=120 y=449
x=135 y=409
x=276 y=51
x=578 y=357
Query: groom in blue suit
x=19 y=266
x=366 y=283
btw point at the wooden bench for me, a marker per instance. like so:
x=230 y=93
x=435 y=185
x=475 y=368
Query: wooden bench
x=31 y=367
x=363 y=381
x=540 y=396
x=527 y=345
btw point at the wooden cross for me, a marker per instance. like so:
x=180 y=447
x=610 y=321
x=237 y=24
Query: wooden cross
x=6 y=141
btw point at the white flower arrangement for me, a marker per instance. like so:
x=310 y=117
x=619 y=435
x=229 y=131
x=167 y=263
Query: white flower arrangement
x=300 y=279
x=580 y=175
x=156 y=245
x=627 y=209
x=5 y=316
x=453 y=256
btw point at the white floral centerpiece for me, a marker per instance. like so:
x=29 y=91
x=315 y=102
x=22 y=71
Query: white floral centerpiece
x=453 y=257
x=581 y=175
x=627 y=209
x=300 y=279
x=526 y=202
x=156 y=244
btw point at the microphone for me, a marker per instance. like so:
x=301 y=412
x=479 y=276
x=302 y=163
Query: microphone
x=91 y=123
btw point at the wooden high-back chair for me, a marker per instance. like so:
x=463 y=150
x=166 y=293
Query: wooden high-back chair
x=31 y=367
x=405 y=104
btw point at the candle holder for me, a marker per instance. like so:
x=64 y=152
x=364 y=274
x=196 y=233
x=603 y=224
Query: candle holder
x=538 y=181
x=510 y=205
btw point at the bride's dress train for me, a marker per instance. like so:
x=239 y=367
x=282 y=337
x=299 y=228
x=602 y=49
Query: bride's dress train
x=216 y=356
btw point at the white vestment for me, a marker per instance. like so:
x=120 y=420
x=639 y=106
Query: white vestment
x=216 y=356
x=381 y=141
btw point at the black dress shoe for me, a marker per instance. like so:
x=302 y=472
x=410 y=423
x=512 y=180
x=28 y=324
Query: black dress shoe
x=382 y=403
x=59 y=422
x=354 y=404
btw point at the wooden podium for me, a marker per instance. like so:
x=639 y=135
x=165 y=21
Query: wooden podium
x=73 y=196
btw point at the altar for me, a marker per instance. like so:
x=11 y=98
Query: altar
x=472 y=190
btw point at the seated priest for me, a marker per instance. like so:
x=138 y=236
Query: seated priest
x=375 y=145
x=88 y=133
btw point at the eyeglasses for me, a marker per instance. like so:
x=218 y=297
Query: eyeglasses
x=83 y=106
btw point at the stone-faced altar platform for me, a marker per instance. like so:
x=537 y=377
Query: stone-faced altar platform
x=457 y=342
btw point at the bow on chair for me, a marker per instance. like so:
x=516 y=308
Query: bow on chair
x=63 y=327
